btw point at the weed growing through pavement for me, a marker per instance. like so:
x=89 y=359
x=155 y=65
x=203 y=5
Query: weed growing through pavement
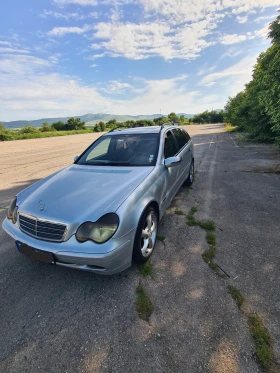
x=236 y=295
x=263 y=342
x=209 y=226
x=178 y=211
x=161 y=238
x=260 y=335
x=144 y=305
x=145 y=269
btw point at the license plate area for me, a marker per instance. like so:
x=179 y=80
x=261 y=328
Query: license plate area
x=41 y=256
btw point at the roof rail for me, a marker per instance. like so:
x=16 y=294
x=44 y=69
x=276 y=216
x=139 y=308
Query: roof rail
x=117 y=128
x=169 y=124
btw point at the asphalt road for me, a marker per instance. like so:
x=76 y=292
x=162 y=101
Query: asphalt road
x=53 y=319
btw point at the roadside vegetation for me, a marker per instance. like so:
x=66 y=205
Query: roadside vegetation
x=145 y=269
x=144 y=305
x=255 y=110
x=71 y=127
x=76 y=126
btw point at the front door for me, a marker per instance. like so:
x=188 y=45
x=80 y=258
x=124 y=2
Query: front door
x=170 y=174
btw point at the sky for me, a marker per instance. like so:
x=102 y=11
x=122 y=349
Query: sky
x=72 y=57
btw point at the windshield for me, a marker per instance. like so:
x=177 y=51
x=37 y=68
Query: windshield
x=122 y=150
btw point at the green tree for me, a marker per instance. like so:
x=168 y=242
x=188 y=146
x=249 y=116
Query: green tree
x=256 y=109
x=97 y=128
x=160 y=120
x=74 y=124
x=112 y=123
x=46 y=127
x=173 y=118
x=102 y=126
x=59 y=126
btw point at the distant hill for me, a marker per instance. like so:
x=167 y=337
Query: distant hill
x=90 y=119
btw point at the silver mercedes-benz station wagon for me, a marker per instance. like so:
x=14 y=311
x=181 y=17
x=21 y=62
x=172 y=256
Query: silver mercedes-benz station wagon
x=102 y=212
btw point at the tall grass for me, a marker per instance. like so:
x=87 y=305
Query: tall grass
x=9 y=135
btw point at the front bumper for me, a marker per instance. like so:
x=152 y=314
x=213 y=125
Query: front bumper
x=109 y=258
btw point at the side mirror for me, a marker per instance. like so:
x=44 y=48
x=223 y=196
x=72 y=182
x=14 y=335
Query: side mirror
x=75 y=158
x=172 y=161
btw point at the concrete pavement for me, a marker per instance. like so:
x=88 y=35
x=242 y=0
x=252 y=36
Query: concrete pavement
x=58 y=320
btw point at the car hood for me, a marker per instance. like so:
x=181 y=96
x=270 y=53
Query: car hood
x=80 y=193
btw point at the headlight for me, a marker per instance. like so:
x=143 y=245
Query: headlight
x=12 y=211
x=100 y=231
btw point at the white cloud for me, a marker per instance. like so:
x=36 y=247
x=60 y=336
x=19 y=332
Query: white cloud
x=228 y=39
x=242 y=19
x=60 y=31
x=67 y=16
x=29 y=90
x=78 y=2
x=116 y=87
x=231 y=52
x=205 y=69
x=152 y=39
x=263 y=32
x=5 y=43
x=263 y=18
x=13 y=50
x=233 y=78
x=116 y=14
x=93 y=65
x=193 y=10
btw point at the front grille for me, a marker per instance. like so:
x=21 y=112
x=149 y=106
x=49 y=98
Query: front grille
x=42 y=229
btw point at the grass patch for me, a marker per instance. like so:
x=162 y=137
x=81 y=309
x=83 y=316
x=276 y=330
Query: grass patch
x=190 y=217
x=144 y=305
x=145 y=269
x=195 y=173
x=178 y=212
x=211 y=238
x=236 y=295
x=208 y=225
x=209 y=254
x=188 y=191
x=262 y=341
x=10 y=135
x=230 y=128
x=161 y=238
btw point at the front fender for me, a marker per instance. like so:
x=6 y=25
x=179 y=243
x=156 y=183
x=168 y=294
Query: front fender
x=132 y=208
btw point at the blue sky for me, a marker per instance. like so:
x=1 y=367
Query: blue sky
x=72 y=57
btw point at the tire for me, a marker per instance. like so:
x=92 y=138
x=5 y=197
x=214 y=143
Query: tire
x=146 y=235
x=190 y=178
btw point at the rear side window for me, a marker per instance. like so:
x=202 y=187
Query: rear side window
x=181 y=139
x=187 y=136
x=170 y=148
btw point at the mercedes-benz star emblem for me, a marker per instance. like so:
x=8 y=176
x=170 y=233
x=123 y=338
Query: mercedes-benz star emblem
x=42 y=205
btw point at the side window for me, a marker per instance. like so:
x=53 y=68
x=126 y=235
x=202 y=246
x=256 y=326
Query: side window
x=187 y=136
x=170 y=148
x=181 y=140
x=100 y=150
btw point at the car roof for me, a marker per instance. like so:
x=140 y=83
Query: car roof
x=139 y=130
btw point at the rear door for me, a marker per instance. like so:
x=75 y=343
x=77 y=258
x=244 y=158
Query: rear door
x=185 y=152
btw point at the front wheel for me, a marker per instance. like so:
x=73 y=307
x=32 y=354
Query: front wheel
x=146 y=236
x=190 y=178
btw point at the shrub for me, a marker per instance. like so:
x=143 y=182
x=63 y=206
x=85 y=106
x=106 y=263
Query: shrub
x=27 y=129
